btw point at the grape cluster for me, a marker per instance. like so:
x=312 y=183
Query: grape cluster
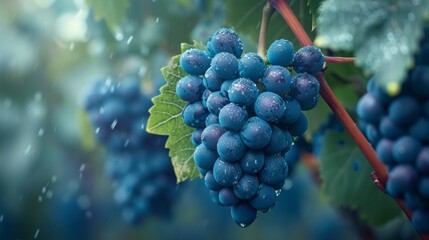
x=398 y=128
x=137 y=161
x=245 y=116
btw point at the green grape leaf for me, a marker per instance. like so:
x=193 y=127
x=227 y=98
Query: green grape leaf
x=314 y=6
x=345 y=174
x=245 y=17
x=166 y=119
x=383 y=34
x=112 y=12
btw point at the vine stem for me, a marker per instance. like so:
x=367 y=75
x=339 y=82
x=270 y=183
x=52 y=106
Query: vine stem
x=380 y=171
x=339 y=59
x=267 y=12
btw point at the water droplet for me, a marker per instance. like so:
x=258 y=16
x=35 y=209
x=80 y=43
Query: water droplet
x=114 y=123
x=242 y=225
x=130 y=39
x=49 y=194
x=157 y=20
x=38 y=96
x=54 y=178
x=40 y=198
x=27 y=149
x=1 y=218
x=278 y=191
x=71 y=47
x=119 y=36
x=36 y=234
x=41 y=132
x=82 y=167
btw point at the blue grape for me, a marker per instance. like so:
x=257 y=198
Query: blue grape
x=406 y=149
x=298 y=127
x=211 y=183
x=243 y=214
x=225 y=65
x=205 y=157
x=402 y=178
x=274 y=172
x=194 y=61
x=216 y=101
x=292 y=111
x=384 y=151
x=265 y=198
x=277 y=79
x=212 y=119
x=280 y=141
x=130 y=88
x=226 y=173
x=308 y=59
x=304 y=87
x=256 y=133
x=423 y=187
x=214 y=196
x=196 y=137
x=422 y=161
x=230 y=147
x=420 y=220
x=246 y=187
x=211 y=81
x=420 y=130
x=251 y=66
x=414 y=200
x=227 y=197
x=204 y=97
x=226 y=85
x=369 y=108
x=211 y=135
x=252 y=161
x=280 y=52
x=309 y=104
x=421 y=58
x=232 y=117
x=225 y=40
x=243 y=92
x=269 y=106
x=404 y=110
x=190 y=88
x=194 y=114
x=389 y=129
x=372 y=134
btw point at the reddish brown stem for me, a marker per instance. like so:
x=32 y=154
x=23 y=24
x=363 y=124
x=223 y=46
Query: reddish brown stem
x=339 y=59
x=341 y=113
x=284 y=9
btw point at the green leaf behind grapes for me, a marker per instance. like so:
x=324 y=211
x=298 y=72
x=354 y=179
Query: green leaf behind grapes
x=112 y=12
x=346 y=180
x=245 y=17
x=383 y=34
x=314 y=6
x=166 y=119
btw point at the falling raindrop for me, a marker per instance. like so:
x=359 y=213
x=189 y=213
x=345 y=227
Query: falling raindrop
x=41 y=132
x=36 y=234
x=27 y=149
x=130 y=39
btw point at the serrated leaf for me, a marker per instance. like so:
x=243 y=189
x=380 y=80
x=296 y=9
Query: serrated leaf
x=245 y=17
x=314 y=6
x=166 y=119
x=112 y=12
x=346 y=180
x=383 y=34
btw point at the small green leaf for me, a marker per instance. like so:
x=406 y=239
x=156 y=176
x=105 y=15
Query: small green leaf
x=113 y=12
x=166 y=119
x=346 y=180
x=383 y=34
x=314 y=6
x=245 y=17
